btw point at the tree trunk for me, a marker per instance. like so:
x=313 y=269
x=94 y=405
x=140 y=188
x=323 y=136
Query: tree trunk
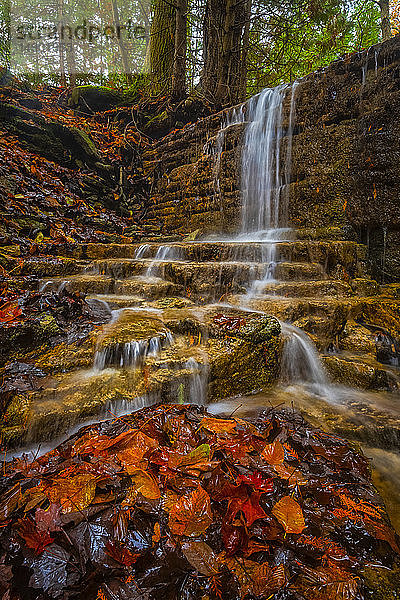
x=385 y=19
x=122 y=49
x=162 y=46
x=224 y=36
x=71 y=64
x=179 y=67
x=60 y=19
x=245 y=52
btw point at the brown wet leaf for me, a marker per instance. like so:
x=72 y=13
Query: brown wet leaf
x=191 y=515
x=201 y=556
x=288 y=512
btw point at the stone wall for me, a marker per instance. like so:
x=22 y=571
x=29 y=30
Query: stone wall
x=345 y=160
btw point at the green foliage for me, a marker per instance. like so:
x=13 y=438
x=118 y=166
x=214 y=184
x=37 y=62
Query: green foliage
x=290 y=39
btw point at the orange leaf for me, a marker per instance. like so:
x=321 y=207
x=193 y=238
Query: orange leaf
x=218 y=425
x=289 y=514
x=72 y=493
x=273 y=454
x=191 y=515
x=145 y=484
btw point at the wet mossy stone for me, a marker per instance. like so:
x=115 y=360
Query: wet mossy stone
x=91 y=98
x=260 y=329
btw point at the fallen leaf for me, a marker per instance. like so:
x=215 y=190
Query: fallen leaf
x=72 y=493
x=273 y=454
x=35 y=539
x=218 y=425
x=145 y=484
x=191 y=515
x=289 y=514
x=201 y=556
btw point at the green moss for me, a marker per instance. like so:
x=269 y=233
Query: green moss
x=383 y=584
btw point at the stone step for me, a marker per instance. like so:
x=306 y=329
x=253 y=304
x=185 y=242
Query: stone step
x=292 y=271
x=329 y=254
x=115 y=301
x=361 y=371
x=306 y=289
x=85 y=284
x=182 y=271
x=149 y=288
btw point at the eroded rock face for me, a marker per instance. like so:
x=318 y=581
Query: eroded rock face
x=344 y=160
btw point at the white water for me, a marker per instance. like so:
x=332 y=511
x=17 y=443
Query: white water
x=163 y=254
x=131 y=354
x=261 y=178
x=266 y=189
x=300 y=361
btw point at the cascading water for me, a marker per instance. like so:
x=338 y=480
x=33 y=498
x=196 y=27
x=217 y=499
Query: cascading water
x=261 y=177
x=265 y=190
x=130 y=354
x=163 y=253
x=300 y=361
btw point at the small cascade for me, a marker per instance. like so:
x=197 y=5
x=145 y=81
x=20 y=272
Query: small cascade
x=261 y=179
x=198 y=382
x=142 y=251
x=131 y=354
x=163 y=254
x=300 y=360
x=233 y=117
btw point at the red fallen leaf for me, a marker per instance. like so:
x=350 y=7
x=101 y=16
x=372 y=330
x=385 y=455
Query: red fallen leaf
x=118 y=552
x=35 y=539
x=48 y=520
x=191 y=514
x=289 y=514
x=257 y=481
x=235 y=539
x=249 y=505
x=273 y=454
x=10 y=313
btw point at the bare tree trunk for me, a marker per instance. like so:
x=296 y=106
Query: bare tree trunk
x=122 y=49
x=162 y=46
x=179 y=67
x=60 y=19
x=385 y=19
x=245 y=52
x=224 y=26
x=71 y=64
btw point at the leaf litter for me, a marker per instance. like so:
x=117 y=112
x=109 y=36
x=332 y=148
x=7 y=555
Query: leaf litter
x=127 y=509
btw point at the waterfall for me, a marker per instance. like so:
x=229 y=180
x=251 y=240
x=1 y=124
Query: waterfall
x=141 y=251
x=130 y=354
x=198 y=382
x=261 y=179
x=300 y=360
x=163 y=253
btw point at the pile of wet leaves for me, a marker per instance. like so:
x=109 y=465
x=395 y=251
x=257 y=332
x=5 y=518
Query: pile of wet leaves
x=33 y=319
x=171 y=502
